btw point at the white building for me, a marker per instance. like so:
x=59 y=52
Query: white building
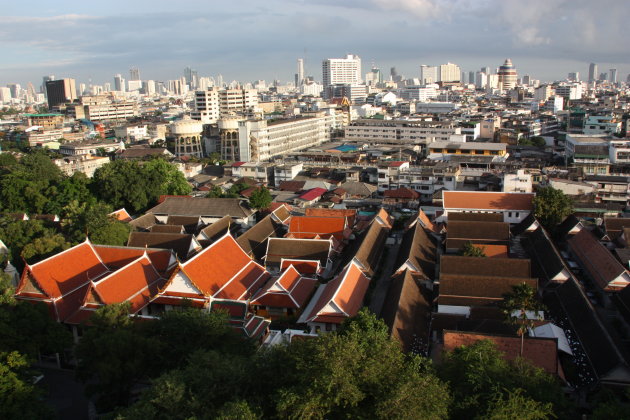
x=84 y=163
x=400 y=131
x=570 y=91
x=520 y=182
x=286 y=172
x=187 y=133
x=449 y=72
x=420 y=93
x=215 y=103
x=341 y=70
x=428 y=74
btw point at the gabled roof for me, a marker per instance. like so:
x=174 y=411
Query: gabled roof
x=122 y=215
x=477 y=290
x=282 y=212
x=290 y=290
x=312 y=194
x=279 y=249
x=424 y=220
x=116 y=257
x=542 y=249
x=183 y=244
x=306 y=227
x=570 y=225
x=372 y=244
x=359 y=189
x=190 y=223
x=215 y=230
x=542 y=352
x=224 y=271
x=137 y=283
x=293 y=186
x=528 y=224
x=402 y=193
x=144 y=222
x=418 y=252
x=167 y=229
x=460 y=232
x=339 y=299
x=614 y=226
x=254 y=241
x=205 y=207
x=407 y=312
x=500 y=267
x=482 y=200
x=596 y=258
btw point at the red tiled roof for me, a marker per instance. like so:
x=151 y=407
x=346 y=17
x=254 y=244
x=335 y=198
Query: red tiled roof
x=312 y=194
x=237 y=164
x=348 y=214
x=341 y=297
x=542 y=352
x=245 y=283
x=137 y=283
x=64 y=272
x=307 y=227
x=396 y=164
x=119 y=256
x=290 y=290
x=597 y=259
x=482 y=200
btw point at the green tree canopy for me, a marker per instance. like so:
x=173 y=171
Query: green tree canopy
x=260 y=199
x=517 y=307
x=19 y=398
x=551 y=207
x=470 y=250
x=165 y=178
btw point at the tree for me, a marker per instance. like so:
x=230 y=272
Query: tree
x=516 y=405
x=518 y=305
x=470 y=250
x=30 y=239
x=215 y=192
x=551 y=207
x=123 y=183
x=18 y=397
x=479 y=376
x=94 y=221
x=165 y=178
x=260 y=199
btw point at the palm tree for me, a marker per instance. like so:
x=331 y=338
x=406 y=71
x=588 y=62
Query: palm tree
x=517 y=305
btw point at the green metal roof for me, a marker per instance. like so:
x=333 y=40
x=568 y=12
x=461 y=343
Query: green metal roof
x=43 y=115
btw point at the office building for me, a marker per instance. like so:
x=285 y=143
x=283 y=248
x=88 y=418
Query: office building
x=592 y=72
x=428 y=74
x=215 y=103
x=507 y=75
x=574 y=77
x=60 y=91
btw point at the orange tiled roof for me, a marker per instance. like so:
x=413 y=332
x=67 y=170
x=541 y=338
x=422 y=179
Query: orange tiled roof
x=290 y=290
x=122 y=215
x=494 y=251
x=119 y=256
x=302 y=266
x=341 y=297
x=308 y=227
x=348 y=214
x=482 y=200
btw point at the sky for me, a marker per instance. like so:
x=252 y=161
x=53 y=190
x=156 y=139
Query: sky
x=247 y=40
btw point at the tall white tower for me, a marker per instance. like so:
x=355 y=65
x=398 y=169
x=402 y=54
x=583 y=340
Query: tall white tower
x=300 y=71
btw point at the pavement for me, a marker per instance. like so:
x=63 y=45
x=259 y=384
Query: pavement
x=64 y=394
x=384 y=280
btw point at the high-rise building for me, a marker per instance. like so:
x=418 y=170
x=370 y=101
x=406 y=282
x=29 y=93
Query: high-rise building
x=60 y=91
x=134 y=73
x=449 y=73
x=46 y=79
x=471 y=77
x=592 y=72
x=341 y=70
x=5 y=94
x=148 y=87
x=300 y=72
x=15 y=90
x=507 y=75
x=574 y=77
x=603 y=77
x=119 y=83
x=612 y=76
x=428 y=74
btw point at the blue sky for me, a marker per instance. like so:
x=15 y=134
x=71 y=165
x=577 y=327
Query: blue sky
x=252 y=39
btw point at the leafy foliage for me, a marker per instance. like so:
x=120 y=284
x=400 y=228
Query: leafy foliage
x=260 y=199
x=551 y=206
x=516 y=305
x=470 y=250
x=18 y=397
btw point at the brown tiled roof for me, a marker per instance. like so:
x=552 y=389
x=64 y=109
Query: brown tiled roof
x=481 y=200
x=596 y=258
x=181 y=243
x=469 y=290
x=167 y=229
x=293 y=186
x=474 y=217
x=419 y=249
x=502 y=267
x=297 y=249
x=407 y=312
x=206 y=207
x=254 y=241
x=542 y=352
x=614 y=226
x=190 y=223
x=144 y=222
x=403 y=193
x=460 y=232
x=371 y=248
x=216 y=230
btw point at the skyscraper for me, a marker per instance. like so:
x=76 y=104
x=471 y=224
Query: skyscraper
x=507 y=75
x=60 y=91
x=574 y=77
x=612 y=76
x=428 y=74
x=300 y=72
x=341 y=70
x=592 y=72
x=449 y=72
x=119 y=83
x=134 y=73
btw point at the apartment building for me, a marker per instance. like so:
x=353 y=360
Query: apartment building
x=425 y=179
x=87 y=164
x=399 y=132
x=215 y=103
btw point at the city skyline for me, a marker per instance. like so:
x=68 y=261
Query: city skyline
x=545 y=39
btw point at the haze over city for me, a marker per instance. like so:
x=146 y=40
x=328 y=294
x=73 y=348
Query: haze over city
x=249 y=40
